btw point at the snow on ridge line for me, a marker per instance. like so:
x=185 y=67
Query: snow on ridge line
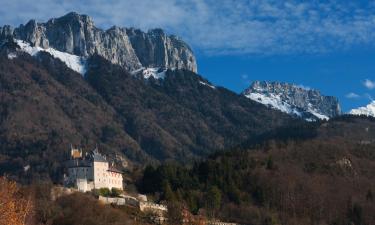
x=74 y=62
x=206 y=84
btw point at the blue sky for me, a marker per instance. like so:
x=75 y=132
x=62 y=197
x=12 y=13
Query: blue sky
x=327 y=45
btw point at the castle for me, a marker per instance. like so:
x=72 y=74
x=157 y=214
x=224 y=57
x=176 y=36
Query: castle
x=91 y=171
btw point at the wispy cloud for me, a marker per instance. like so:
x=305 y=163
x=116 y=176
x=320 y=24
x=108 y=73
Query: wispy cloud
x=225 y=26
x=369 y=84
x=352 y=95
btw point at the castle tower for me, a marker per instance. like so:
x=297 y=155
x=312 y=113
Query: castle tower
x=75 y=153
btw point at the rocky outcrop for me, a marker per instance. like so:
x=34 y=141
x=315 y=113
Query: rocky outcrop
x=133 y=49
x=307 y=103
x=156 y=49
x=5 y=31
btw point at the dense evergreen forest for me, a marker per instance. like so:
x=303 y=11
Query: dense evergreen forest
x=324 y=176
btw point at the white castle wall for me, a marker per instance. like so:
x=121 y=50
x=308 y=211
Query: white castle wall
x=100 y=175
x=84 y=185
x=115 y=180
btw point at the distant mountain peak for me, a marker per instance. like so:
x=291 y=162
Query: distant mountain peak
x=130 y=48
x=74 y=15
x=368 y=110
x=293 y=99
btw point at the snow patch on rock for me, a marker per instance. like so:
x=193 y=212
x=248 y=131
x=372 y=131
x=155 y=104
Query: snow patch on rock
x=273 y=101
x=155 y=72
x=317 y=114
x=298 y=100
x=74 y=62
x=12 y=55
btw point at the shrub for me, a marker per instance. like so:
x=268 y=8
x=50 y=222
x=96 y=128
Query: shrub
x=104 y=192
x=115 y=192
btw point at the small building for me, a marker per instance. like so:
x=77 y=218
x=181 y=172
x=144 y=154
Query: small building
x=92 y=171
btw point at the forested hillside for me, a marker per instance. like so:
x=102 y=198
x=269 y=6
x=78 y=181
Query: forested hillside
x=46 y=107
x=327 y=178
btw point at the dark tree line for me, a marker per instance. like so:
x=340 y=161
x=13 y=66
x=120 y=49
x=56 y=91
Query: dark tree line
x=328 y=178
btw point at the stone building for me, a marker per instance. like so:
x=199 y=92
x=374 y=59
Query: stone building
x=92 y=171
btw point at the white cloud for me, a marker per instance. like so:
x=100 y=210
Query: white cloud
x=369 y=84
x=224 y=26
x=352 y=95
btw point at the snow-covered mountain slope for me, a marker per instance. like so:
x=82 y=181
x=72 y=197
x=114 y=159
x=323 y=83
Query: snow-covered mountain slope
x=368 y=110
x=155 y=72
x=74 y=62
x=295 y=100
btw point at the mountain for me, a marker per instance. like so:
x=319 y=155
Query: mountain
x=131 y=48
x=181 y=115
x=368 y=110
x=303 y=102
x=132 y=115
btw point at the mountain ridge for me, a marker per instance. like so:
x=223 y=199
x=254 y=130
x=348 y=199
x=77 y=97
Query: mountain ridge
x=131 y=48
x=299 y=101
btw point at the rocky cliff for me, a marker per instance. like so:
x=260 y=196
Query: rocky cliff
x=131 y=48
x=303 y=102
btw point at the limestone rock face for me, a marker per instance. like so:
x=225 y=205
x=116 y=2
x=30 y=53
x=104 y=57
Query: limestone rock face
x=130 y=48
x=156 y=49
x=5 y=31
x=307 y=103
